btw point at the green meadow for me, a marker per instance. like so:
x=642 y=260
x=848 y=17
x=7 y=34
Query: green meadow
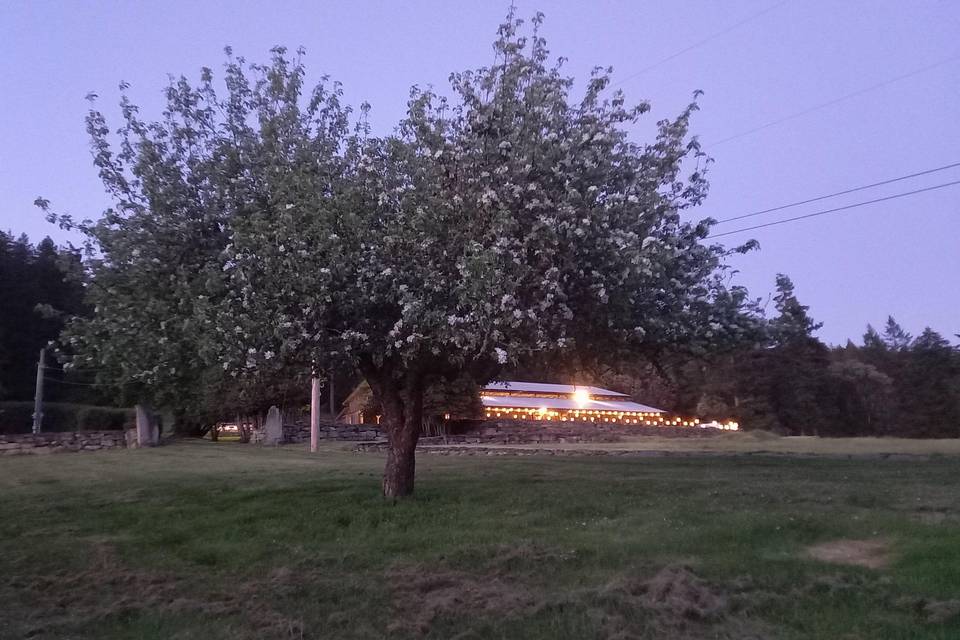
x=210 y=541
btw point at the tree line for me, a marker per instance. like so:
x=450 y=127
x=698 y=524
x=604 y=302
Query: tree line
x=891 y=384
x=39 y=292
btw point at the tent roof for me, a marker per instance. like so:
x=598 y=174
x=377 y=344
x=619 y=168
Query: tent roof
x=493 y=402
x=542 y=387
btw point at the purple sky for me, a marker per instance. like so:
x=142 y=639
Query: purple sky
x=900 y=257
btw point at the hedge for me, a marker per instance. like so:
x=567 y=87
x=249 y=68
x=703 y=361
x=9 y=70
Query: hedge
x=17 y=417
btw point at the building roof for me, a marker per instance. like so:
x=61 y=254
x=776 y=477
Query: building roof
x=519 y=402
x=542 y=387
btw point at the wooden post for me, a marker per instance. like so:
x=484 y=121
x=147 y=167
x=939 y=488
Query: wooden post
x=333 y=406
x=314 y=413
x=38 y=392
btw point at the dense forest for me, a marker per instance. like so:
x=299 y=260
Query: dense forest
x=39 y=293
x=788 y=381
x=891 y=384
x=783 y=379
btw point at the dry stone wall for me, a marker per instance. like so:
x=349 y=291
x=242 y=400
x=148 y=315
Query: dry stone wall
x=540 y=432
x=28 y=443
x=297 y=433
x=498 y=432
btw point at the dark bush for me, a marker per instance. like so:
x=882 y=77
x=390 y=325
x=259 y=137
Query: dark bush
x=104 y=418
x=17 y=417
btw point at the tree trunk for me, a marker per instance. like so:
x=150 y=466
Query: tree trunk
x=399 y=472
x=402 y=406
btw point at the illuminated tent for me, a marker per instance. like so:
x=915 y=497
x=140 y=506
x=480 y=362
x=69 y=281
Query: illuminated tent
x=564 y=402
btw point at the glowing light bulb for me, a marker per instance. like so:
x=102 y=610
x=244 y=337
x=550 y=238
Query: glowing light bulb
x=581 y=397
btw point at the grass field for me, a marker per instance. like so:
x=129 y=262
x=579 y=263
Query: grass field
x=203 y=540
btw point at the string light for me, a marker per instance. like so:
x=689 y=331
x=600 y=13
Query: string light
x=582 y=398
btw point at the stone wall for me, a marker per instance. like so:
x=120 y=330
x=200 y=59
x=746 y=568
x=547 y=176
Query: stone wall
x=54 y=442
x=473 y=432
x=539 y=432
x=299 y=432
x=499 y=432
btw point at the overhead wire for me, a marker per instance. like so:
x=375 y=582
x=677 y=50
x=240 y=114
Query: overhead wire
x=88 y=384
x=834 y=101
x=835 y=209
x=74 y=369
x=700 y=43
x=840 y=193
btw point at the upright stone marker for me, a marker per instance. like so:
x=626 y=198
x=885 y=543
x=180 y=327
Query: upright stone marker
x=146 y=429
x=314 y=413
x=273 y=427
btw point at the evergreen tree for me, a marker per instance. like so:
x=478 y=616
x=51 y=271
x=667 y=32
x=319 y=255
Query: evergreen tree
x=793 y=324
x=783 y=385
x=894 y=337
x=872 y=340
x=930 y=387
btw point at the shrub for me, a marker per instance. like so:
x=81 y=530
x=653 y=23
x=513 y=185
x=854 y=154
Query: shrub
x=17 y=417
x=104 y=419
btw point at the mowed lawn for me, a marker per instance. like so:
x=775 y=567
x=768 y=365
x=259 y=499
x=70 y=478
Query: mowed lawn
x=203 y=540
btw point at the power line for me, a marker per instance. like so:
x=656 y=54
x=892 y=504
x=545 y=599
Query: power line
x=89 y=384
x=75 y=384
x=840 y=193
x=698 y=44
x=836 y=209
x=829 y=103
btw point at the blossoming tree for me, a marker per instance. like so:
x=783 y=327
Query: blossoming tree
x=504 y=219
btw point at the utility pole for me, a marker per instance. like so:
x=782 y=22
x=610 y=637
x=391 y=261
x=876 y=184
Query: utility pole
x=38 y=393
x=314 y=412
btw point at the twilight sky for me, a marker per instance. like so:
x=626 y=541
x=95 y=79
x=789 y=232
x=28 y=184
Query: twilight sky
x=900 y=257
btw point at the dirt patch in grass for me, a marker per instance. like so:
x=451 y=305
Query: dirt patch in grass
x=422 y=595
x=873 y=554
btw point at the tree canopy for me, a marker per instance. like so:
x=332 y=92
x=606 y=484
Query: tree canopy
x=266 y=228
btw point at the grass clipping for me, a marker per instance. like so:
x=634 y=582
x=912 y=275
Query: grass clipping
x=673 y=601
